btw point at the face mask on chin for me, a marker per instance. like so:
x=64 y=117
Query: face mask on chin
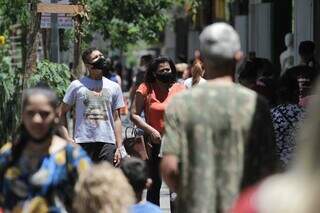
x=165 y=77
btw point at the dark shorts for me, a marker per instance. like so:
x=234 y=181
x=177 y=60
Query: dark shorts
x=98 y=151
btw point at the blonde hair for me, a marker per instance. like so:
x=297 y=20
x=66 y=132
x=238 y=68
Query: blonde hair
x=103 y=189
x=197 y=71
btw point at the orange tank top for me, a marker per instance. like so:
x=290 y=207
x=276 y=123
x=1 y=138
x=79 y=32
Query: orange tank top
x=156 y=102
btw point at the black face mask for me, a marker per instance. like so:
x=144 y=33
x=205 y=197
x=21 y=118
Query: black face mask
x=165 y=77
x=100 y=64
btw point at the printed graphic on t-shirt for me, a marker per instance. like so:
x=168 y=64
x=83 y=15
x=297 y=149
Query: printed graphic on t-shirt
x=96 y=106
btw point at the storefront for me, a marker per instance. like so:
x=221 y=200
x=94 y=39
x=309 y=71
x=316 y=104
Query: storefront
x=262 y=25
x=303 y=23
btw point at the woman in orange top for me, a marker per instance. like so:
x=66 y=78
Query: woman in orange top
x=152 y=97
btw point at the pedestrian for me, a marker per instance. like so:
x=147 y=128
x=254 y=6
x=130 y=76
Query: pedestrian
x=306 y=72
x=285 y=118
x=39 y=169
x=296 y=190
x=181 y=69
x=103 y=189
x=97 y=101
x=197 y=55
x=136 y=171
x=152 y=97
x=118 y=71
x=218 y=136
x=109 y=71
x=197 y=72
x=187 y=73
x=259 y=75
x=145 y=61
x=247 y=74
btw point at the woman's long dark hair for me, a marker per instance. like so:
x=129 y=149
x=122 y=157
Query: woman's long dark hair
x=150 y=74
x=288 y=90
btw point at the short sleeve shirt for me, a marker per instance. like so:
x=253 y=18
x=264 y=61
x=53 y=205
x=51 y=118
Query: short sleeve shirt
x=223 y=138
x=95 y=101
x=156 y=102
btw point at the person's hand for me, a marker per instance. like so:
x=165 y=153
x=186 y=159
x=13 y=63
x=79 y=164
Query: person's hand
x=117 y=157
x=70 y=140
x=155 y=137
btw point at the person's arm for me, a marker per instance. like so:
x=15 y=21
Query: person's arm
x=118 y=136
x=170 y=171
x=116 y=105
x=172 y=143
x=63 y=128
x=136 y=110
x=68 y=101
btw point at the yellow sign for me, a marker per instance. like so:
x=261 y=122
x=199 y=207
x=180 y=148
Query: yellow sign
x=2 y=40
x=59 y=8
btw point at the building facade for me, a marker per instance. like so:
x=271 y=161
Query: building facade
x=262 y=25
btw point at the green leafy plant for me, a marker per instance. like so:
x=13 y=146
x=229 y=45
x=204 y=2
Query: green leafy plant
x=125 y=22
x=57 y=76
x=10 y=99
x=13 y=12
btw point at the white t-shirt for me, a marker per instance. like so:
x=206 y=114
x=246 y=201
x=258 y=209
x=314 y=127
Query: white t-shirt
x=188 y=82
x=95 y=101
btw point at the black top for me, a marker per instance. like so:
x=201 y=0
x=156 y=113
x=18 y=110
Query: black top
x=304 y=76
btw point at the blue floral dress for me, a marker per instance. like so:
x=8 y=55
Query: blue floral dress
x=285 y=120
x=47 y=186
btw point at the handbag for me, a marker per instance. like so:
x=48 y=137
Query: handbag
x=135 y=145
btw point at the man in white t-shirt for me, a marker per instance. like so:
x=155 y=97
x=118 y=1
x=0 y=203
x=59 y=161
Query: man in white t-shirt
x=97 y=102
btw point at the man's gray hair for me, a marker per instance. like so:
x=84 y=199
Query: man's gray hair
x=219 y=41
